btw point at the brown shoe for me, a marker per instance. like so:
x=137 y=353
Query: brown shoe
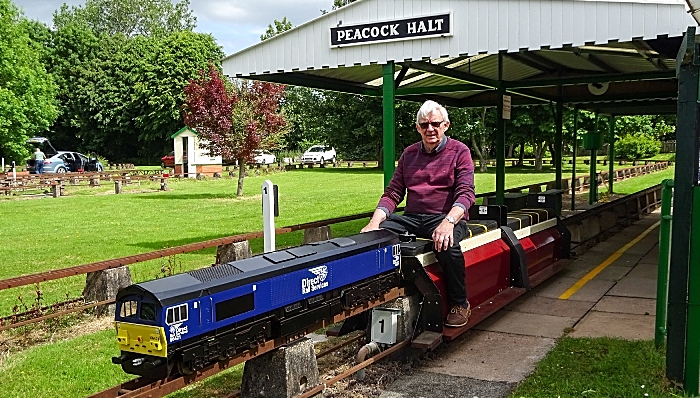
x=458 y=316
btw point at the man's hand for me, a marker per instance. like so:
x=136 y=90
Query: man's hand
x=370 y=227
x=374 y=222
x=443 y=236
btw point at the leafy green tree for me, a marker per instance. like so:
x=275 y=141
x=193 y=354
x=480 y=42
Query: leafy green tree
x=470 y=126
x=637 y=146
x=129 y=17
x=645 y=125
x=354 y=125
x=536 y=125
x=301 y=106
x=279 y=27
x=339 y=3
x=26 y=89
x=70 y=52
x=159 y=81
x=122 y=96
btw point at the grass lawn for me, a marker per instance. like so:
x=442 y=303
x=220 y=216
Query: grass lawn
x=600 y=367
x=637 y=184
x=94 y=224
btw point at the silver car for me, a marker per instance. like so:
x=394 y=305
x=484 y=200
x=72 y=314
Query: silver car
x=61 y=161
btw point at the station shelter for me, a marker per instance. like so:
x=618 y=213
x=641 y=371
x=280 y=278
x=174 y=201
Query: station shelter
x=191 y=156
x=611 y=57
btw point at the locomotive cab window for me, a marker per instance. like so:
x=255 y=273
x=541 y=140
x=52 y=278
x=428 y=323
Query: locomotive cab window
x=148 y=311
x=176 y=314
x=128 y=309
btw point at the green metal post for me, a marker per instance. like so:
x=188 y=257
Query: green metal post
x=593 y=182
x=692 y=342
x=573 y=168
x=558 y=142
x=611 y=155
x=687 y=127
x=389 y=141
x=664 y=258
x=500 y=136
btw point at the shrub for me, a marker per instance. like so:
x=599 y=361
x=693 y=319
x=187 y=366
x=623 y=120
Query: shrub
x=637 y=146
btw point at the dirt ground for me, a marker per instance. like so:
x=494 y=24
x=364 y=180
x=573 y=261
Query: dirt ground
x=15 y=340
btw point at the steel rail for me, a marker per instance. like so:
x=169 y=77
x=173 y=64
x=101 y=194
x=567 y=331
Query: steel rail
x=55 y=315
x=319 y=388
x=41 y=309
x=118 y=262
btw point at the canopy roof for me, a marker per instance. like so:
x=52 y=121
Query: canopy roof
x=549 y=50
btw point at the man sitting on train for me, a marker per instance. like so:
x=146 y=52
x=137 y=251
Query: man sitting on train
x=437 y=173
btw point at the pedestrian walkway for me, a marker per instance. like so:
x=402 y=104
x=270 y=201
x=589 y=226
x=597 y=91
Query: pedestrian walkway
x=609 y=290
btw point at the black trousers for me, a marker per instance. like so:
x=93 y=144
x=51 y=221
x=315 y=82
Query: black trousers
x=451 y=260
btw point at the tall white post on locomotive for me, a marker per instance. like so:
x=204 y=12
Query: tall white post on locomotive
x=270 y=211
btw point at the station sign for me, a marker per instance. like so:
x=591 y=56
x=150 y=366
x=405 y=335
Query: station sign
x=401 y=29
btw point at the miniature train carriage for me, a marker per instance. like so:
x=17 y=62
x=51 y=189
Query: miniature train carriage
x=506 y=253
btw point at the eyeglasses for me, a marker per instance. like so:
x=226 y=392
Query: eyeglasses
x=424 y=125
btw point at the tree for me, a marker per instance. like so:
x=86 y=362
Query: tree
x=642 y=125
x=301 y=106
x=235 y=119
x=280 y=26
x=536 y=125
x=26 y=90
x=122 y=96
x=70 y=52
x=340 y=3
x=470 y=125
x=129 y=17
x=159 y=80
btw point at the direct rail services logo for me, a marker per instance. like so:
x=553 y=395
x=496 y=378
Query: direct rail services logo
x=309 y=285
x=177 y=331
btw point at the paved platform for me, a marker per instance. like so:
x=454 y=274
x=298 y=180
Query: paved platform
x=489 y=360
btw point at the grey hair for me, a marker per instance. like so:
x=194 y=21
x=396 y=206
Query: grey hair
x=429 y=107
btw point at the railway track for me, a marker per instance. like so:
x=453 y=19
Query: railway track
x=159 y=388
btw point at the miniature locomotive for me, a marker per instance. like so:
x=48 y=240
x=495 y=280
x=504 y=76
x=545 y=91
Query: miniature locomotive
x=185 y=322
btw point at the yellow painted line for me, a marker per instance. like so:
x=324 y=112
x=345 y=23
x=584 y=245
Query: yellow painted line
x=573 y=289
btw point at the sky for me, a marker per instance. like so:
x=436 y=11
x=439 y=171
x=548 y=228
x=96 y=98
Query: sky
x=236 y=24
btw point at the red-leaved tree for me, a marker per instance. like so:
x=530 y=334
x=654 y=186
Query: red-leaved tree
x=235 y=118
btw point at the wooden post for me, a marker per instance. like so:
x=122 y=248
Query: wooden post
x=117 y=187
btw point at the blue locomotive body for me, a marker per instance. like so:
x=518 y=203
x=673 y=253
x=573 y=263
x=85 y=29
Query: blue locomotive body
x=191 y=319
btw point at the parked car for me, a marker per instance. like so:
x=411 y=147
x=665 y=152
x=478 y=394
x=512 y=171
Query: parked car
x=61 y=161
x=263 y=157
x=67 y=162
x=318 y=154
x=169 y=160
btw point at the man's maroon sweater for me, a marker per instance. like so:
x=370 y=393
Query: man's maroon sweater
x=435 y=181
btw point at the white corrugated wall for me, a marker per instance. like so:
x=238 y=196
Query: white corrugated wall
x=479 y=26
